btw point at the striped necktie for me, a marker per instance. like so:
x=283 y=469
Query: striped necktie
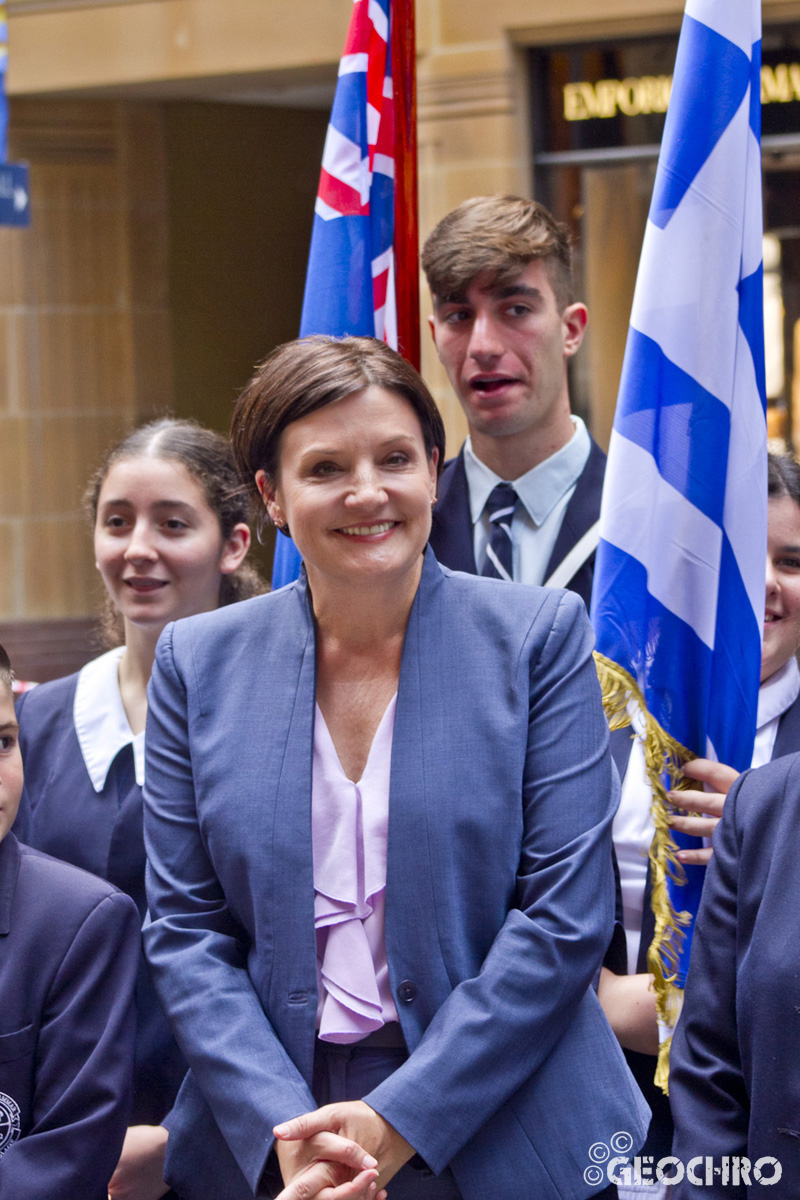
x=499 y=551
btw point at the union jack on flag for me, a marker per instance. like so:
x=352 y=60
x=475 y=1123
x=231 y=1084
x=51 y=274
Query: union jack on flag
x=350 y=279
x=350 y=276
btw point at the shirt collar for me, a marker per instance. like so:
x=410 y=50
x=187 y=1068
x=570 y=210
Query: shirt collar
x=539 y=489
x=101 y=723
x=778 y=693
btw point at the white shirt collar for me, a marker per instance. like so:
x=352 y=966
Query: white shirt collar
x=100 y=720
x=778 y=693
x=539 y=489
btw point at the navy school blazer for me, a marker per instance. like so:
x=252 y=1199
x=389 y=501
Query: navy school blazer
x=69 y=948
x=499 y=901
x=61 y=814
x=734 y=1077
x=451 y=531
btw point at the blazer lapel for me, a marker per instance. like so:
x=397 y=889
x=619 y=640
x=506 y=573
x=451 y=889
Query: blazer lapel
x=619 y=743
x=788 y=737
x=582 y=510
x=274 y=665
x=9 y=871
x=451 y=531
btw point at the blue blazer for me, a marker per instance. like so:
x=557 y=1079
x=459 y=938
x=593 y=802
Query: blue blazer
x=451 y=532
x=734 y=1077
x=61 y=813
x=499 y=900
x=69 y=947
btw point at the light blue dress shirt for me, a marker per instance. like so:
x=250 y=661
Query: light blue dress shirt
x=544 y=493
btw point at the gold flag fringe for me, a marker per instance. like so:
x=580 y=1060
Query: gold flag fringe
x=663 y=756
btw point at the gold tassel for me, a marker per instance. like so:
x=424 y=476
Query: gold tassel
x=663 y=755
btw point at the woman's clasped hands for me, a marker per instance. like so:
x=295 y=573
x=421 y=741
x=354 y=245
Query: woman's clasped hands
x=343 y=1151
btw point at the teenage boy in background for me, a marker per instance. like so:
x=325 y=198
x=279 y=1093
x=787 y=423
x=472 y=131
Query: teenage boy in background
x=521 y=500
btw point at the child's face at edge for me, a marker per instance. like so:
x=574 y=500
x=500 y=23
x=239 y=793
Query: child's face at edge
x=10 y=761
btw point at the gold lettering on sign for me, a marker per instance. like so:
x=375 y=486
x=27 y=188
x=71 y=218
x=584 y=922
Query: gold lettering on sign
x=632 y=97
x=780 y=84
x=639 y=95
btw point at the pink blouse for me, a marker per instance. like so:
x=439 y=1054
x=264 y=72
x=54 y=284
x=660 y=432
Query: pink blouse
x=349 y=825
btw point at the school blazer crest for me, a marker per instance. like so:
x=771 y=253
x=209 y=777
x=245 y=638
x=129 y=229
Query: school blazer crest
x=499 y=882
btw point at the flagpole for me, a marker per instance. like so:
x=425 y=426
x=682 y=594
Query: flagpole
x=406 y=210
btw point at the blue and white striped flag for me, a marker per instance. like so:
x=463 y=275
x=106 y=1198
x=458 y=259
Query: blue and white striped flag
x=678 y=597
x=350 y=276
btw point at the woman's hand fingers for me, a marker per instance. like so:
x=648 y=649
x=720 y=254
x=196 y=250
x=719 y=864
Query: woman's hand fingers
x=696 y=858
x=330 y=1147
x=718 y=776
x=326 y=1132
x=710 y=803
x=324 y=1181
x=695 y=826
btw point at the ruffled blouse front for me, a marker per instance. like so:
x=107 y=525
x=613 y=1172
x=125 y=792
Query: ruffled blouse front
x=350 y=824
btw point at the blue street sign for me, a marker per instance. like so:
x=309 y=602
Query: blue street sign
x=15 y=205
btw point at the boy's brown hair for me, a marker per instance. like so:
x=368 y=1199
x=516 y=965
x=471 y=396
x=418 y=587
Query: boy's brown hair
x=496 y=236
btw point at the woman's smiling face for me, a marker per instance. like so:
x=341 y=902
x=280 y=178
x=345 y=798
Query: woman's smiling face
x=782 y=610
x=355 y=487
x=158 y=545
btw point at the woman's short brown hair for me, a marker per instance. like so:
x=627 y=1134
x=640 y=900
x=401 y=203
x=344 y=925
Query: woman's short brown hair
x=305 y=375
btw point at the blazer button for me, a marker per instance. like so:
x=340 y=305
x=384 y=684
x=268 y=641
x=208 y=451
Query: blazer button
x=407 y=991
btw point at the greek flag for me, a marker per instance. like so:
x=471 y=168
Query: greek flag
x=350 y=276
x=678 y=599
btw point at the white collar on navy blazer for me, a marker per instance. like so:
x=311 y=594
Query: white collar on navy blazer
x=101 y=723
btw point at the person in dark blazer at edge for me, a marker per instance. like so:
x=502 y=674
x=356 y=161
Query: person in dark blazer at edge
x=734 y=1078
x=377 y=811
x=522 y=498
x=170 y=539
x=629 y=1001
x=69 y=950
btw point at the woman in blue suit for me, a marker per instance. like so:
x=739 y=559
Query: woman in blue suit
x=378 y=809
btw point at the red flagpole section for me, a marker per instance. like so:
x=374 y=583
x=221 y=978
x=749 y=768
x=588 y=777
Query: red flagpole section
x=406 y=212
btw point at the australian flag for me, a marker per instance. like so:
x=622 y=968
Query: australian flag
x=350 y=278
